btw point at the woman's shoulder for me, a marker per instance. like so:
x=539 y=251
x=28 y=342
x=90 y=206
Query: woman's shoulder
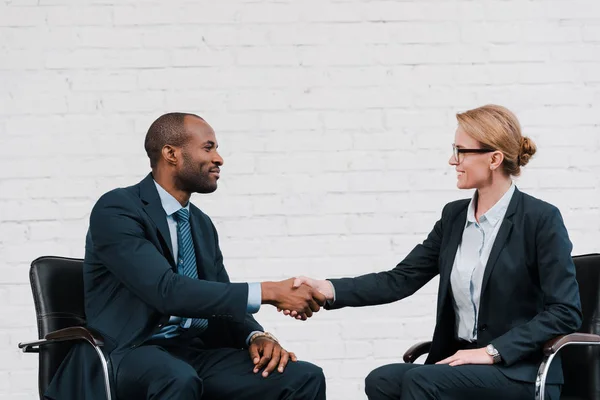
x=455 y=207
x=534 y=206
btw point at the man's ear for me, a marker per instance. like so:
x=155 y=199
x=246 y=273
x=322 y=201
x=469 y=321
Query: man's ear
x=170 y=154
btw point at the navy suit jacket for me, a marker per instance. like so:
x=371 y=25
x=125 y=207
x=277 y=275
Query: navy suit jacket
x=132 y=287
x=529 y=292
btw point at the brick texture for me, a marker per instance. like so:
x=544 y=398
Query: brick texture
x=335 y=119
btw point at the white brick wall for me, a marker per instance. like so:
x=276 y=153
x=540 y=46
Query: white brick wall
x=335 y=118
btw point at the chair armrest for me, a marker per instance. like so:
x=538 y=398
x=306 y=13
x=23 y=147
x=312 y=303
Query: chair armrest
x=63 y=335
x=554 y=345
x=74 y=333
x=416 y=351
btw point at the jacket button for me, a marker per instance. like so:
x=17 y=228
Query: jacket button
x=483 y=328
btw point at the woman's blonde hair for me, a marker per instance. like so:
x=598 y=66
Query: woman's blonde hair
x=497 y=128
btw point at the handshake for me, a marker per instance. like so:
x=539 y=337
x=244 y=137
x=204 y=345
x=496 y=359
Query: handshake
x=297 y=297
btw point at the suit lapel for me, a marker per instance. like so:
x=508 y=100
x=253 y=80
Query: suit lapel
x=458 y=225
x=199 y=235
x=501 y=238
x=153 y=207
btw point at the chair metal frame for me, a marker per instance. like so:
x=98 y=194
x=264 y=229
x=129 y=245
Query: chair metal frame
x=70 y=334
x=550 y=349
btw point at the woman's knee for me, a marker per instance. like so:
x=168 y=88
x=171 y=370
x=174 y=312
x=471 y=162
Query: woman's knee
x=385 y=382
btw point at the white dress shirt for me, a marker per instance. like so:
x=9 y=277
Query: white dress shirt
x=471 y=258
x=171 y=205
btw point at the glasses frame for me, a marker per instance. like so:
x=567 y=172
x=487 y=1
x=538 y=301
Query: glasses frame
x=457 y=151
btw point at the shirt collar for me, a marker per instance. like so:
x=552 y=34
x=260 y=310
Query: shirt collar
x=169 y=203
x=494 y=214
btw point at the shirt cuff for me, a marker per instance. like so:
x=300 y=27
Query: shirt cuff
x=249 y=336
x=254 y=297
x=330 y=302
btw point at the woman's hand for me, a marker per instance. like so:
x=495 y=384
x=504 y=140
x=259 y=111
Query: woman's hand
x=462 y=357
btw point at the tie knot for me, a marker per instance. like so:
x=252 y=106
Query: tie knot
x=181 y=215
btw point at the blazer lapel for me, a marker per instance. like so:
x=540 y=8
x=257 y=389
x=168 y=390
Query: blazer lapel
x=199 y=235
x=458 y=225
x=501 y=238
x=153 y=207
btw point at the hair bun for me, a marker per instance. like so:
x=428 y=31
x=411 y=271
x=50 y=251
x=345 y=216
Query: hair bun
x=527 y=151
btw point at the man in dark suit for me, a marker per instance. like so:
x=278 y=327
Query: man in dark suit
x=157 y=291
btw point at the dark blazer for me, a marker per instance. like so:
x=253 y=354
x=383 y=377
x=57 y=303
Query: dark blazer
x=132 y=287
x=529 y=293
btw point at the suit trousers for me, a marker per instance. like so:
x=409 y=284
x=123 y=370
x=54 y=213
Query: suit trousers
x=186 y=373
x=443 y=382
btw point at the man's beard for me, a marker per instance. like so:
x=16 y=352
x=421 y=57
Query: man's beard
x=193 y=181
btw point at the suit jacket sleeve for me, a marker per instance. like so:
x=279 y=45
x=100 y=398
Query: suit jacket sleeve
x=412 y=273
x=121 y=243
x=239 y=330
x=562 y=307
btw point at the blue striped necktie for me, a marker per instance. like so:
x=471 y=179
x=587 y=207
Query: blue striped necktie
x=186 y=263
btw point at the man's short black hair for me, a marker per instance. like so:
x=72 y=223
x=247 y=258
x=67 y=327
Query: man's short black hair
x=167 y=129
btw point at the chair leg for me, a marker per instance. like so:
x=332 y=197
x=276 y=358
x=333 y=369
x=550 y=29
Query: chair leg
x=540 y=380
x=106 y=372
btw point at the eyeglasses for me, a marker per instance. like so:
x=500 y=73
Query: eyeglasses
x=457 y=151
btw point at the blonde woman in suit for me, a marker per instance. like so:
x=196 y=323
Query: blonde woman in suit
x=507 y=281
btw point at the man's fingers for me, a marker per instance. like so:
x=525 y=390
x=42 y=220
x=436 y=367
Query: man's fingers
x=308 y=312
x=273 y=362
x=254 y=356
x=298 y=282
x=285 y=356
x=267 y=351
x=312 y=304
x=319 y=297
x=293 y=356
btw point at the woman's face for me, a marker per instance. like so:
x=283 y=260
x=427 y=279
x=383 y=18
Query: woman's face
x=472 y=169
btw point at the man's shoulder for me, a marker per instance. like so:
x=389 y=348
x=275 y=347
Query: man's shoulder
x=121 y=196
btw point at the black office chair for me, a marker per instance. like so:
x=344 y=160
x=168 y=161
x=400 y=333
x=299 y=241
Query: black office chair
x=580 y=352
x=57 y=286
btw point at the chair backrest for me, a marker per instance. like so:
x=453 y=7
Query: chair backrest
x=581 y=364
x=57 y=286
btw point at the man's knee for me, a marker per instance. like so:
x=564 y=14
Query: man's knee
x=306 y=381
x=312 y=373
x=185 y=385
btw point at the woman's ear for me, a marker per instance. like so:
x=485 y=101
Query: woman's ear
x=496 y=160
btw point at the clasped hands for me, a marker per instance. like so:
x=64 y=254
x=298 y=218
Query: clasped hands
x=298 y=297
x=323 y=291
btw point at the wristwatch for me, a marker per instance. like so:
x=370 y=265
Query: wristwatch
x=263 y=334
x=491 y=350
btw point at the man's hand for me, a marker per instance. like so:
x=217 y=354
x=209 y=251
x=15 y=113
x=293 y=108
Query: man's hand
x=462 y=357
x=304 y=300
x=269 y=353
